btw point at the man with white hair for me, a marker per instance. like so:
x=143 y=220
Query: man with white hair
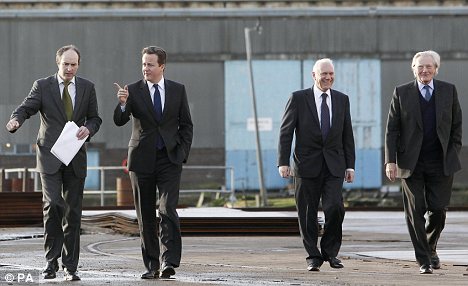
x=324 y=156
x=422 y=144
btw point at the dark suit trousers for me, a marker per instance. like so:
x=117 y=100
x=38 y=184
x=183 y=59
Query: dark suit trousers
x=308 y=194
x=426 y=190
x=62 y=210
x=165 y=178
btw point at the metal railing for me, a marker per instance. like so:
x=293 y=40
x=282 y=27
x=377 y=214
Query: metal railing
x=32 y=173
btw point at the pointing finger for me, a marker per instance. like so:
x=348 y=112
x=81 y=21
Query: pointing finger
x=118 y=86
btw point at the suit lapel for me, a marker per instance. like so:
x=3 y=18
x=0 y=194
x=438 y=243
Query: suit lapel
x=167 y=99
x=146 y=97
x=310 y=99
x=439 y=101
x=78 y=96
x=57 y=97
x=413 y=103
x=336 y=109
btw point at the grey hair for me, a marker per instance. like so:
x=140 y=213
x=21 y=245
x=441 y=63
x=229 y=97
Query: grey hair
x=318 y=63
x=435 y=58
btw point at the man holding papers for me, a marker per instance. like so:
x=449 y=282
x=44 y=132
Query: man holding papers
x=61 y=98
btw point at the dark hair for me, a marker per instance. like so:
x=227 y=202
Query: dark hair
x=154 y=50
x=63 y=49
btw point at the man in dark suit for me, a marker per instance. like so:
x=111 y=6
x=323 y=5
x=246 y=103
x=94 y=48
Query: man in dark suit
x=323 y=156
x=60 y=98
x=160 y=143
x=422 y=143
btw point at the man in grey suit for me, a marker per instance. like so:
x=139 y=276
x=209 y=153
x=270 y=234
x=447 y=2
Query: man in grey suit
x=60 y=98
x=323 y=156
x=160 y=143
x=422 y=143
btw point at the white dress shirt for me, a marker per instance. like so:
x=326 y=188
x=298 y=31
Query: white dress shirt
x=318 y=102
x=162 y=91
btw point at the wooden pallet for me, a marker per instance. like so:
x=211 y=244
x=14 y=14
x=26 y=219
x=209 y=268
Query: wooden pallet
x=195 y=226
x=20 y=209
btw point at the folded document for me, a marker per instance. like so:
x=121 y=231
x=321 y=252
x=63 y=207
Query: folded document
x=67 y=145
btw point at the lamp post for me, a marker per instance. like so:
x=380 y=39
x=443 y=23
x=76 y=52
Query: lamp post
x=248 y=48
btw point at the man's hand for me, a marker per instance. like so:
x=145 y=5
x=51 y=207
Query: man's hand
x=82 y=133
x=12 y=125
x=284 y=171
x=390 y=171
x=122 y=93
x=349 y=176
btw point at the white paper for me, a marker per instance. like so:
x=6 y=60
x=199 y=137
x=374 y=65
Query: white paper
x=67 y=145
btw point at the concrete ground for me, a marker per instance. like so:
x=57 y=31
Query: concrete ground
x=376 y=251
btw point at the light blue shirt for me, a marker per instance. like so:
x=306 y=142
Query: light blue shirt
x=422 y=85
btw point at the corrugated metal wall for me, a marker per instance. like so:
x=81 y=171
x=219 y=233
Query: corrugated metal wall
x=198 y=47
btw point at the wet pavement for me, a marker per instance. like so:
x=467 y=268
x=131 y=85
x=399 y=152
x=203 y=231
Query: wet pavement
x=376 y=251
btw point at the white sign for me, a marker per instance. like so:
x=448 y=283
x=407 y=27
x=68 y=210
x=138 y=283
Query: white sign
x=264 y=124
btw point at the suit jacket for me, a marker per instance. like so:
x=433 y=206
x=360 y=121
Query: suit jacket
x=310 y=152
x=45 y=97
x=175 y=127
x=404 y=132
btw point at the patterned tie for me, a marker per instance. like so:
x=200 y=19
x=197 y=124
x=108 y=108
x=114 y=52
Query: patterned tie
x=67 y=102
x=324 y=117
x=427 y=92
x=157 y=107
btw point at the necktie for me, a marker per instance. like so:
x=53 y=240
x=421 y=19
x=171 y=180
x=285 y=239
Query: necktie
x=427 y=92
x=324 y=116
x=67 y=102
x=157 y=107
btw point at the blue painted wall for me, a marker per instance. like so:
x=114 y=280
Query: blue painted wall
x=92 y=177
x=273 y=82
x=360 y=80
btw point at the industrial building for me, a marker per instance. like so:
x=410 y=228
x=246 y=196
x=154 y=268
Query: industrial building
x=371 y=43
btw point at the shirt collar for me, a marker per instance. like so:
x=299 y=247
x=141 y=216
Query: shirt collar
x=422 y=85
x=160 y=83
x=60 y=80
x=318 y=92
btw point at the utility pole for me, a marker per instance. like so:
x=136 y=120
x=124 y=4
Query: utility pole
x=248 y=48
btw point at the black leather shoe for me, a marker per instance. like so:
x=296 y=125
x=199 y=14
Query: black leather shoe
x=315 y=265
x=152 y=274
x=435 y=262
x=70 y=275
x=425 y=269
x=50 y=270
x=167 y=271
x=335 y=262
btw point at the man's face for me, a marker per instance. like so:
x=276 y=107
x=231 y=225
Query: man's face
x=324 y=76
x=152 y=71
x=68 y=65
x=425 y=69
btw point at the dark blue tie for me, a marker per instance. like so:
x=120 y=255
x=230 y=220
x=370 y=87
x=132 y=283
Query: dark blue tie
x=157 y=107
x=324 y=117
x=427 y=92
